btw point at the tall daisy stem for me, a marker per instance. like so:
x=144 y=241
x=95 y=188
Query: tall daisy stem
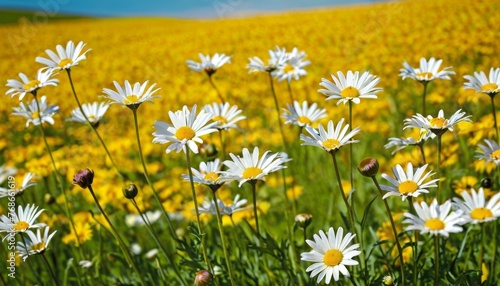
x=415 y=243
x=50 y=269
x=396 y=237
x=344 y=197
x=93 y=127
x=195 y=202
x=494 y=116
x=276 y=105
x=351 y=163
x=483 y=242
x=223 y=145
x=254 y=193
x=438 y=194
x=436 y=260
x=223 y=239
x=219 y=94
x=424 y=94
x=290 y=92
x=421 y=147
x=146 y=174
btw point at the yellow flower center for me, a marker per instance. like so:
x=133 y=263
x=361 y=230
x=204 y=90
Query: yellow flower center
x=131 y=99
x=92 y=118
x=251 y=172
x=212 y=176
x=333 y=257
x=408 y=187
x=185 y=133
x=20 y=226
x=221 y=119
x=481 y=213
x=425 y=75
x=304 y=120
x=489 y=86
x=434 y=224
x=31 y=85
x=495 y=155
x=349 y=92
x=64 y=62
x=288 y=69
x=38 y=246
x=35 y=115
x=331 y=143
x=438 y=122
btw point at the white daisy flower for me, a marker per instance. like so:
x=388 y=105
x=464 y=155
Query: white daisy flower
x=6 y=172
x=408 y=184
x=480 y=83
x=350 y=88
x=225 y=114
x=401 y=143
x=65 y=59
x=31 y=111
x=303 y=115
x=331 y=254
x=22 y=221
x=130 y=96
x=136 y=219
x=489 y=152
x=186 y=129
x=434 y=219
x=293 y=67
x=209 y=64
x=94 y=112
x=207 y=173
x=438 y=125
x=36 y=244
x=332 y=139
x=251 y=167
x=475 y=208
x=208 y=206
x=278 y=58
x=21 y=88
x=28 y=181
x=427 y=71
x=85 y=263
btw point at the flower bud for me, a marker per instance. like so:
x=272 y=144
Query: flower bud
x=84 y=178
x=130 y=192
x=368 y=167
x=49 y=199
x=203 y=278
x=487 y=183
x=387 y=280
x=303 y=220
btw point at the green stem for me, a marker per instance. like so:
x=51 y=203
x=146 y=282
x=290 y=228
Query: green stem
x=290 y=92
x=37 y=277
x=483 y=243
x=276 y=105
x=151 y=231
x=117 y=236
x=494 y=116
x=219 y=94
x=424 y=93
x=349 y=211
x=438 y=194
x=495 y=249
x=195 y=202
x=351 y=161
x=421 y=147
x=50 y=269
x=146 y=174
x=93 y=127
x=253 y=183
x=396 y=237
x=415 y=243
x=436 y=260
x=223 y=145
x=223 y=239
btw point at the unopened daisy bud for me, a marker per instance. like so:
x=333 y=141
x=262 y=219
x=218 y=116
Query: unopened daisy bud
x=209 y=150
x=49 y=199
x=303 y=220
x=368 y=167
x=130 y=192
x=84 y=178
x=203 y=278
x=388 y=280
x=487 y=183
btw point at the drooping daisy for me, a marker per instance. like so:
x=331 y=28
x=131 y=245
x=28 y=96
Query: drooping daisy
x=293 y=67
x=22 y=221
x=332 y=139
x=43 y=78
x=410 y=183
x=28 y=181
x=437 y=125
x=351 y=87
x=434 y=219
x=36 y=244
x=209 y=64
x=427 y=71
x=475 y=209
x=401 y=143
x=490 y=152
x=65 y=59
x=303 y=115
x=482 y=84
x=129 y=96
x=186 y=129
x=331 y=254
x=207 y=173
x=278 y=58
x=94 y=112
x=225 y=114
x=251 y=167
x=31 y=111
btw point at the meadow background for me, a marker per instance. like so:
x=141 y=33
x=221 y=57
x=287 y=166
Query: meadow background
x=377 y=38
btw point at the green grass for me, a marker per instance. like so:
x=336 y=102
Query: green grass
x=9 y=16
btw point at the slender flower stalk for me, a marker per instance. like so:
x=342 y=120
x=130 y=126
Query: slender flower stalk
x=47 y=264
x=344 y=197
x=436 y=260
x=276 y=105
x=424 y=94
x=255 y=213
x=219 y=94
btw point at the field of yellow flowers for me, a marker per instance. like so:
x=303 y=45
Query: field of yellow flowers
x=100 y=236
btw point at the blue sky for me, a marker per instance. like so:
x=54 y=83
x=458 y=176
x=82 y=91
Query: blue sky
x=171 y=8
